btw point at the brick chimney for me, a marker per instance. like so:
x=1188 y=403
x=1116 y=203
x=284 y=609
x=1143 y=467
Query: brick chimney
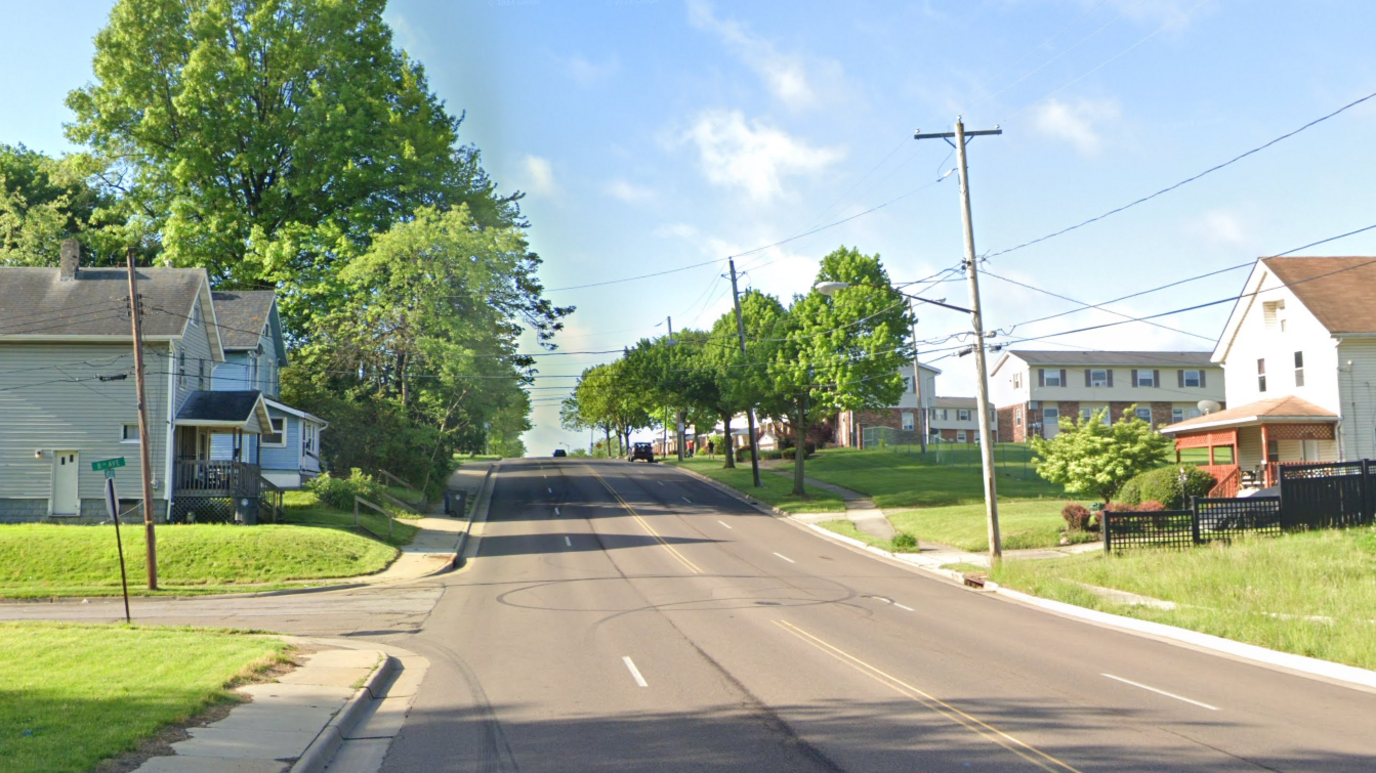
x=71 y=259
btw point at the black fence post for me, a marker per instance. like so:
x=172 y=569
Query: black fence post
x=1106 y=526
x=1367 y=513
x=1194 y=521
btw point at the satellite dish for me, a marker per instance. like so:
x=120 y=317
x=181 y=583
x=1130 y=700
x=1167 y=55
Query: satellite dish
x=1207 y=407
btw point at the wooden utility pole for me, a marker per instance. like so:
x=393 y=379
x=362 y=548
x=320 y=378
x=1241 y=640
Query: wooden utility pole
x=750 y=412
x=135 y=312
x=986 y=443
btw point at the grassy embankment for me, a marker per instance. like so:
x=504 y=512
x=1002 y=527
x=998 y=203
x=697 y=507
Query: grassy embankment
x=777 y=490
x=46 y=560
x=1311 y=593
x=77 y=694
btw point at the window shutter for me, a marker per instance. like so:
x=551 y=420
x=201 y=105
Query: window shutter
x=1086 y=376
x=1134 y=377
x=1041 y=377
x=1202 y=382
x=1064 y=383
x=1156 y=378
x=1180 y=378
x=1110 y=376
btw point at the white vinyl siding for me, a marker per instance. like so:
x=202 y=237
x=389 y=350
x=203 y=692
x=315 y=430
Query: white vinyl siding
x=195 y=347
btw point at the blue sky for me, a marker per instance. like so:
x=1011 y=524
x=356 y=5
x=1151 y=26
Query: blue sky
x=653 y=135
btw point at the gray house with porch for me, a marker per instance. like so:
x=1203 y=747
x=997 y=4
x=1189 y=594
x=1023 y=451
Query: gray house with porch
x=67 y=394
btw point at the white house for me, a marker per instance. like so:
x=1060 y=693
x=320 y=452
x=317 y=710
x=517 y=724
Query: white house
x=1299 y=356
x=1035 y=389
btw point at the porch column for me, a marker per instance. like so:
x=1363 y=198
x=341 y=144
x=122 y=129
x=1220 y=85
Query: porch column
x=1211 y=453
x=1266 y=456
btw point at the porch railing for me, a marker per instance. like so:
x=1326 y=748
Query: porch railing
x=1228 y=479
x=217 y=478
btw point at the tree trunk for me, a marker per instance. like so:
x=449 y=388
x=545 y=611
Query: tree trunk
x=726 y=442
x=607 y=435
x=799 y=453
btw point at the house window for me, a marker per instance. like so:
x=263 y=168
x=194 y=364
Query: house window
x=908 y=421
x=1299 y=369
x=200 y=373
x=962 y=415
x=181 y=369
x=1017 y=419
x=196 y=314
x=1098 y=378
x=1051 y=417
x=1144 y=414
x=1274 y=314
x=961 y=437
x=278 y=438
x=1191 y=378
x=129 y=434
x=1261 y=375
x=1052 y=377
x=1181 y=414
x=1017 y=381
x=1273 y=450
x=1146 y=378
x=308 y=438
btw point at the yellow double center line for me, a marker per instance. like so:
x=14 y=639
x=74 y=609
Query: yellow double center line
x=981 y=728
x=692 y=567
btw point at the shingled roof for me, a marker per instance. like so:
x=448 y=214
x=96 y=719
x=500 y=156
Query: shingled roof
x=1337 y=291
x=243 y=314
x=35 y=303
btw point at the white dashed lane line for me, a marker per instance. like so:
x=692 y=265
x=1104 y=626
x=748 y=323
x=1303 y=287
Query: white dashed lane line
x=786 y=558
x=724 y=523
x=689 y=501
x=568 y=541
x=635 y=672
x=900 y=606
x=1160 y=692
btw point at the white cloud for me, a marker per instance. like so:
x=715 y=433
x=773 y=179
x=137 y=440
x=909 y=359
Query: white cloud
x=588 y=73
x=539 y=176
x=1076 y=122
x=787 y=76
x=629 y=192
x=753 y=156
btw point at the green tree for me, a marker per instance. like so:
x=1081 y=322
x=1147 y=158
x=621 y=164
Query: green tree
x=44 y=200
x=269 y=140
x=1095 y=457
x=838 y=352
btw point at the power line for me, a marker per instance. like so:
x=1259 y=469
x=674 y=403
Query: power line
x=1187 y=180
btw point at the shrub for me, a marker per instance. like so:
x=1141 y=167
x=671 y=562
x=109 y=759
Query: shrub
x=903 y=542
x=743 y=455
x=790 y=452
x=1077 y=516
x=1163 y=485
x=340 y=492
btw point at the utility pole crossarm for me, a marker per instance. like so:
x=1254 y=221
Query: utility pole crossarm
x=918 y=135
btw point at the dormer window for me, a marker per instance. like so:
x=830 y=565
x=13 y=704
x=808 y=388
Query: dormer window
x=1273 y=312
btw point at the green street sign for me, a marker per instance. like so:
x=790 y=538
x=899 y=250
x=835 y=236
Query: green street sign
x=107 y=464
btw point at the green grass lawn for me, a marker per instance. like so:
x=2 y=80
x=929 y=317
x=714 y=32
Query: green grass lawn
x=41 y=560
x=777 y=489
x=1031 y=523
x=898 y=480
x=77 y=694
x=305 y=509
x=1262 y=590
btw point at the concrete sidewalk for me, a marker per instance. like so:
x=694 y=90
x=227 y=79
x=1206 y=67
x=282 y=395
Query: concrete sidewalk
x=860 y=509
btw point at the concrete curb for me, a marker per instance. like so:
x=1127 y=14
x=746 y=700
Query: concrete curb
x=763 y=507
x=480 y=510
x=1348 y=676
x=331 y=737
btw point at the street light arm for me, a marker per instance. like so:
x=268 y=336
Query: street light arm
x=830 y=288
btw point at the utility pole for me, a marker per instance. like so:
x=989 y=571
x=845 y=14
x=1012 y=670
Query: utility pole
x=750 y=412
x=135 y=311
x=917 y=384
x=986 y=444
x=678 y=412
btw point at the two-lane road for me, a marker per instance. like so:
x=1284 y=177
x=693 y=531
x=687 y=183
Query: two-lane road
x=621 y=617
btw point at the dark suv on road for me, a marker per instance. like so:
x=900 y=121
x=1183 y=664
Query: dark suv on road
x=642 y=451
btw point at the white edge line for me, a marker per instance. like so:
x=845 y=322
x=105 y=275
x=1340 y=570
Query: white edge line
x=556 y=511
x=568 y=541
x=635 y=672
x=786 y=558
x=1161 y=692
x=724 y=523
x=689 y=501
x=549 y=489
x=900 y=606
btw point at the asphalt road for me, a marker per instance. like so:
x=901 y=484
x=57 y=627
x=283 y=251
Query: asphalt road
x=625 y=617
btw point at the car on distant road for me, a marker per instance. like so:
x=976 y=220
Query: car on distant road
x=558 y=452
x=642 y=451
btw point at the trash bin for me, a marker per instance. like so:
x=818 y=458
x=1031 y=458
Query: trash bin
x=246 y=511
x=455 y=503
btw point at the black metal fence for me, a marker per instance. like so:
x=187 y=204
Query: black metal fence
x=1312 y=496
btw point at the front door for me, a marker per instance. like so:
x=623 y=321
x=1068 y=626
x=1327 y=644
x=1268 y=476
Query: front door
x=65 y=500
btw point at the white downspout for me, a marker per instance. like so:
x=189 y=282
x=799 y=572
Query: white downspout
x=171 y=427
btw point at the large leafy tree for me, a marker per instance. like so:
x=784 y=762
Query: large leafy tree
x=1096 y=457
x=269 y=140
x=44 y=200
x=741 y=378
x=838 y=352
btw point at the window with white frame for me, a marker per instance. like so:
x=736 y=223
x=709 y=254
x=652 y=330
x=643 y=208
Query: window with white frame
x=181 y=369
x=1017 y=381
x=129 y=433
x=1017 y=418
x=308 y=438
x=960 y=436
x=1146 y=378
x=1182 y=413
x=963 y=414
x=278 y=438
x=1051 y=377
x=908 y=422
x=1098 y=378
x=1299 y=369
x=1192 y=378
x=1273 y=312
x=1050 y=417
x=1144 y=414
x=1261 y=375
